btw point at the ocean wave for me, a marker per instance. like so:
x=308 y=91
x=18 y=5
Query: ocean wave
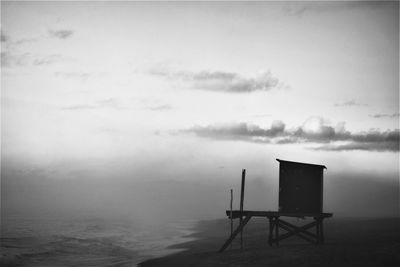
x=87 y=243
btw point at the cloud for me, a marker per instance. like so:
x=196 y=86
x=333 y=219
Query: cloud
x=12 y=59
x=73 y=75
x=350 y=103
x=377 y=147
x=240 y=131
x=159 y=107
x=393 y=115
x=60 y=34
x=79 y=107
x=9 y=59
x=46 y=60
x=25 y=40
x=14 y=54
x=4 y=38
x=261 y=115
x=114 y=103
x=219 y=81
x=110 y=103
x=11 y=42
x=313 y=131
x=299 y=9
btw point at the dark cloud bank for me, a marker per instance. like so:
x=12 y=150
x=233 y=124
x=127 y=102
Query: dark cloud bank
x=313 y=131
x=220 y=81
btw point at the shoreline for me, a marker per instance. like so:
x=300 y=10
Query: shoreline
x=88 y=242
x=349 y=242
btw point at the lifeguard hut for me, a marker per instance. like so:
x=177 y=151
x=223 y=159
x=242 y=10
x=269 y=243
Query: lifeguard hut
x=300 y=195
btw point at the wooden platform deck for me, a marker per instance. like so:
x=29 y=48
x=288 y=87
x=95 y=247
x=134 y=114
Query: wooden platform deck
x=275 y=223
x=271 y=214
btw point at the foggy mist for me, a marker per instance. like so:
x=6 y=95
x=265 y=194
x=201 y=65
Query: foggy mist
x=150 y=196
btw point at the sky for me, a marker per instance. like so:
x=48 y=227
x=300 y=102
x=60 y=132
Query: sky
x=155 y=107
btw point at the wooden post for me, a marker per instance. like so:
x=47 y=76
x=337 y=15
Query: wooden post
x=235 y=233
x=318 y=230
x=321 y=230
x=277 y=231
x=271 y=228
x=241 y=205
x=231 y=213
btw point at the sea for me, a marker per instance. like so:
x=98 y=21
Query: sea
x=87 y=241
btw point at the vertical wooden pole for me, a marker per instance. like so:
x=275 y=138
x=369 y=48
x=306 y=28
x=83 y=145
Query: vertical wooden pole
x=277 y=231
x=231 y=213
x=241 y=205
x=271 y=228
x=321 y=230
x=318 y=230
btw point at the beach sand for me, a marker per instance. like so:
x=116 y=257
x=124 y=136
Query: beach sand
x=348 y=242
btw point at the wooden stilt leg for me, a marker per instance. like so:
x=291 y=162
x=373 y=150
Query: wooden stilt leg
x=292 y=232
x=241 y=233
x=321 y=229
x=299 y=231
x=277 y=231
x=305 y=231
x=241 y=206
x=237 y=231
x=271 y=229
x=230 y=214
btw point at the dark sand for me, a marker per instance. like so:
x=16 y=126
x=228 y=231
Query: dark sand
x=349 y=242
